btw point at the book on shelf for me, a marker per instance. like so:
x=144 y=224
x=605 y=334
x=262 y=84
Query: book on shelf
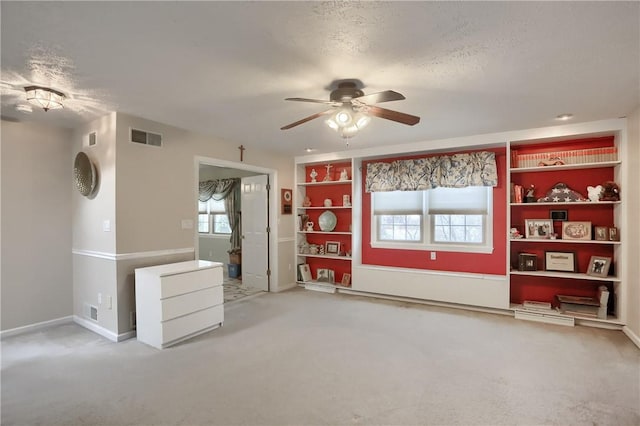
x=533 y=305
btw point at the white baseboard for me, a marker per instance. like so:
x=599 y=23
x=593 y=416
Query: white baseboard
x=631 y=335
x=103 y=331
x=33 y=327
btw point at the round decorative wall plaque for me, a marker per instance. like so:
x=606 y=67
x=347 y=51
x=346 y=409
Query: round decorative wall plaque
x=84 y=173
x=327 y=221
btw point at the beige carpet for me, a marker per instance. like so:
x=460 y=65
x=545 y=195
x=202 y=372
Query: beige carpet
x=303 y=357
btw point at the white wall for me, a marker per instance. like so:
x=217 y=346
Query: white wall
x=632 y=196
x=146 y=192
x=36 y=176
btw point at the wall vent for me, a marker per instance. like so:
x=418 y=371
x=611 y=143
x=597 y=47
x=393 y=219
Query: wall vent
x=146 y=138
x=92 y=138
x=91 y=312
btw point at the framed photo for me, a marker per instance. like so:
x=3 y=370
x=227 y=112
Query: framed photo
x=599 y=266
x=613 y=234
x=560 y=215
x=332 y=248
x=538 y=228
x=305 y=272
x=325 y=276
x=527 y=262
x=346 y=280
x=286 y=198
x=576 y=230
x=601 y=233
x=563 y=261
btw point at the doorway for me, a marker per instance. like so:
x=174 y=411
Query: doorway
x=214 y=247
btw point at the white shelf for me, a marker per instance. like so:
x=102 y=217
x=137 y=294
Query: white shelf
x=326 y=232
x=565 y=167
x=324 y=208
x=326 y=256
x=574 y=204
x=330 y=182
x=569 y=275
x=561 y=241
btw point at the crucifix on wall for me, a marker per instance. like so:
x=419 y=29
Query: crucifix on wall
x=241 y=148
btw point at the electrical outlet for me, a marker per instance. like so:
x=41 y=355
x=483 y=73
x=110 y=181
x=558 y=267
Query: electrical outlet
x=433 y=255
x=99 y=299
x=109 y=306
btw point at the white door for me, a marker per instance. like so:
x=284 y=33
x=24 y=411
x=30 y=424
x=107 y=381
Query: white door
x=255 y=239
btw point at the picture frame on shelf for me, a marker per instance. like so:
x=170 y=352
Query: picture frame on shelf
x=613 y=234
x=576 y=230
x=346 y=280
x=325 y=275
x=560 y=261
x=538 y=228
x=332 y=248
x=559 y=215
x=527 y=262
x=601 y=233
x=305 y=272
x=599 y=266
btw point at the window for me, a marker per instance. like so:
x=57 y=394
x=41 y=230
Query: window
x=212 y=218
x=450 y=219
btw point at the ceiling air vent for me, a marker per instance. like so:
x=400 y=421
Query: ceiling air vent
x=146 y=138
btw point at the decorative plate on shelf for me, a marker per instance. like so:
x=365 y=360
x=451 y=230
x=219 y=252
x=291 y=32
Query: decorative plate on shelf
x=327 y=221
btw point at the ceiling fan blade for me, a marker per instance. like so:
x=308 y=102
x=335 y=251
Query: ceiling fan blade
x=386 y=96
x=316 y=101
x=304 y=120
x=388 y=114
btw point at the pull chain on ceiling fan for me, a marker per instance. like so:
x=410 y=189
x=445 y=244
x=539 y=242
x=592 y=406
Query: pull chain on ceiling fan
x=351 y=109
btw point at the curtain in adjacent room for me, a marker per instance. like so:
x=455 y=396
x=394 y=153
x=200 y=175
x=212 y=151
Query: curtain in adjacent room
x=449 y=171
x=229 y=191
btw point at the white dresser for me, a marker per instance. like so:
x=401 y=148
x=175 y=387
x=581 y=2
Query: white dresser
x=177 y=301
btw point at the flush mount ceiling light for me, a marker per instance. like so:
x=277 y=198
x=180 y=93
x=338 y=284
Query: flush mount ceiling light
x=564 y=117
x=44 y=97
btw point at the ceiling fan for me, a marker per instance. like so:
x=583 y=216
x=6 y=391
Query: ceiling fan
x=351 y=109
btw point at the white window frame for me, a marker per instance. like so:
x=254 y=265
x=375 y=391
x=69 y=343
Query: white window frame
x=428 y=227
x=211 y=213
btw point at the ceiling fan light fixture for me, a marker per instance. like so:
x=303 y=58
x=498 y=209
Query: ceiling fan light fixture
x=44 y=97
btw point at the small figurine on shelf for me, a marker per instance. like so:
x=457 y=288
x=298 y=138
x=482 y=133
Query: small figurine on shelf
x=344 y=175
x=306 y=202
x=321 y=250
x=594 y=192
x=313 y=175
x=327 y=177
x=610 y=191
x=309 y=227
x=514 y=233
x=530 y=197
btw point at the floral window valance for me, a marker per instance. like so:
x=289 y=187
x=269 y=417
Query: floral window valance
x=449 y=171
x=217 y=189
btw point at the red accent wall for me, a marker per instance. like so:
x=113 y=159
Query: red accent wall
x=494 y=263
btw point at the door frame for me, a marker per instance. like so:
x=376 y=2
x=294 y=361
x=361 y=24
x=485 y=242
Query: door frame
x=272 y=243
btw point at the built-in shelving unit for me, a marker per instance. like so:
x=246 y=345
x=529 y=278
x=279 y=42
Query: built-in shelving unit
x=330 y=194
x=542 y=285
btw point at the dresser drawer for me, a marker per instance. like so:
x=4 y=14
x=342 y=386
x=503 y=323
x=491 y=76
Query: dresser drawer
x=178 y=306
x=189 y=325
x=174 y=285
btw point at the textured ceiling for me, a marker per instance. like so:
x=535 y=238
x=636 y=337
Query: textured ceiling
x=224 y=68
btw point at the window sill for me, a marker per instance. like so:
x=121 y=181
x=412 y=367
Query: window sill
x=218 y=236
x=433 y=247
